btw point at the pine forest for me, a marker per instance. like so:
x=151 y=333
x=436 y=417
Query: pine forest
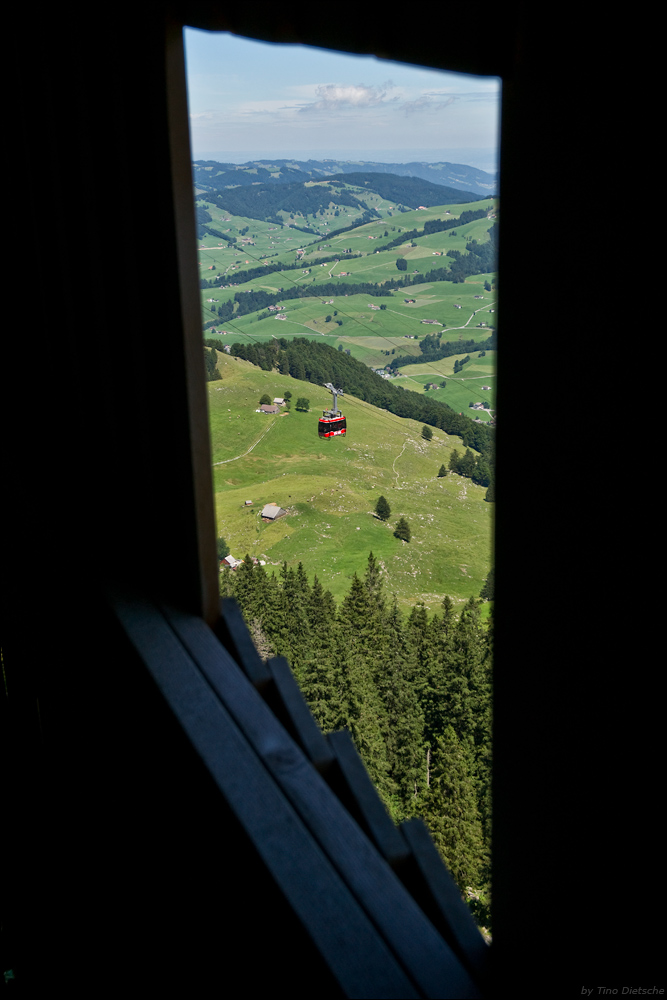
x=414 y=691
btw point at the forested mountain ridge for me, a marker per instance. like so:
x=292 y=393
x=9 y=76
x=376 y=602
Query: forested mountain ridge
x=458 y=176
x=262 y=199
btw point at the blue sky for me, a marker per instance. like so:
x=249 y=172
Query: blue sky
x=252 y=100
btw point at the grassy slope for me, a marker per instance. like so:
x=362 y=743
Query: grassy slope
x=330 y=489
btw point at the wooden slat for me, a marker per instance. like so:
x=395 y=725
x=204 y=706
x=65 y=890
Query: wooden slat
x=428 y=960
x=349 y=943
x=232 y=632
x=288 y=704
x=437 y=893
x=353 y=786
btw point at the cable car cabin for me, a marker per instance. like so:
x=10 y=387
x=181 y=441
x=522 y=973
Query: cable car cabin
x=331 y=425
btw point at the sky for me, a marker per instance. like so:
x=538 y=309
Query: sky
x=256 y=100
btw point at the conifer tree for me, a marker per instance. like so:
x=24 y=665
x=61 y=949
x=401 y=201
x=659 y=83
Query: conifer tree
x=226 y=582
x=418 y=632
x=452 y=814
x=466 y=465
x=323 y=682
x=373 y=582
x=404 y=722
x=487 y=591
x=403 y=530
x=245 y=588
x=360 y=649
x=295 y=640
x=382 y=509
x=442 y=473
x=436 y=671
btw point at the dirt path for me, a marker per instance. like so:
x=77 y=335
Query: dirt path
x=397 y=458
x=236 y=458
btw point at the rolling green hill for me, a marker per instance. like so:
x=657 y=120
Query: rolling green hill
x=212 y=175
x=321 y=278
x=330 y=488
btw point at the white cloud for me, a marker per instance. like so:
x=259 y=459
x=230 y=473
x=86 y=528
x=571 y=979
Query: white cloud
x=335 y=96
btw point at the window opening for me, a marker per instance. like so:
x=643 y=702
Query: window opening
x=320 y=172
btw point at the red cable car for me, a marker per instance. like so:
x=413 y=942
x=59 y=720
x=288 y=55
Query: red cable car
x=332 y=423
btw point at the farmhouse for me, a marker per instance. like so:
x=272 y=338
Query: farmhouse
x=272 y=512
x=266 y=408
x=230 y=561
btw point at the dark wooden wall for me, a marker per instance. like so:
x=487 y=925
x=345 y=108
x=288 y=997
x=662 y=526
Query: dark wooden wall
x=104 y=427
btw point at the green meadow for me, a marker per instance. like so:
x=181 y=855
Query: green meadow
x=461 y=389
x=265 y=241
x=355 y=318
x=330 y=488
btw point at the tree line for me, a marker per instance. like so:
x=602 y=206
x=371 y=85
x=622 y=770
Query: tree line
x=437 y=226
x=311 y=361
x=255 y=299
x=408 y=191
x=414 y=692
x=445 y=349
x=250 y=273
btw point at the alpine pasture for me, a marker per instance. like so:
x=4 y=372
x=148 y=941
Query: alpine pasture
x=330 y=488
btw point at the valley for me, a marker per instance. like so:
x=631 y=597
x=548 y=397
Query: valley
x=330 y=487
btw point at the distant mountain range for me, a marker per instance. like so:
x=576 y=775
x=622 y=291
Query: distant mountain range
x=211 y=174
